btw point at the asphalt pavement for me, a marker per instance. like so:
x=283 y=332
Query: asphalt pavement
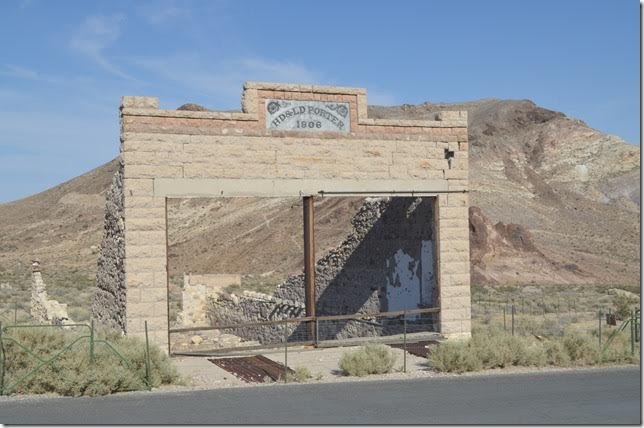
x=594 y=396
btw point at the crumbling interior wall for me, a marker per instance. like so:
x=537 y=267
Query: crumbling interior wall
x=195 y=293
x=108 y=305
x=386 y=263
x=44 y=310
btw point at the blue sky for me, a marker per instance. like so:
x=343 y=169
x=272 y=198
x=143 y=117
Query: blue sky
x=65 y=64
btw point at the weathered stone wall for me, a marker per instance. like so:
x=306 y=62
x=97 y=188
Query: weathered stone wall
x=108 y=305
x=383 y=265
x=42 y=309
x=195 y=293
x=194 y=146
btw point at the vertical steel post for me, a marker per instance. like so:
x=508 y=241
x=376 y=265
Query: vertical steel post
x=404 y=341
x=512 y=319
x=15 y=313
x=2 y=362
x=504 y=326
x=600 y=328
x=632 y=322
x=285 y=351
x=309 y=261
x=91 y=343
x=317 y=331
x=147 y=355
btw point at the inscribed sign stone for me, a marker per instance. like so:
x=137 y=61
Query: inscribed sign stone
x=295 y=115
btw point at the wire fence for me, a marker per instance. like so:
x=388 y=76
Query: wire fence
x=329 y=330
x=551 y=314
x=78 y=334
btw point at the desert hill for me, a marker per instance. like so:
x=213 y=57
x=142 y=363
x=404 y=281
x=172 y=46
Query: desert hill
x=556 y=202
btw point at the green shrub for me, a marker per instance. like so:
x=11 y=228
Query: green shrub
x=369 y=359
x=71 y=373
x=624 y=305
x=457 y=357
x=581 y=349
x=556 y=354
x=301 y=374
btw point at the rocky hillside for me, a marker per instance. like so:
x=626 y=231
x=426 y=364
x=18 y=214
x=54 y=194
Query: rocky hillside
x=557 y=202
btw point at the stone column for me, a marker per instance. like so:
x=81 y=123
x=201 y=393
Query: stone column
x=145 y=238
x=454 y=265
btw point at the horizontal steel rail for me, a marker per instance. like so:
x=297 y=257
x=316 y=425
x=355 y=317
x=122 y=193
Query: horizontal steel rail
x=356 y=316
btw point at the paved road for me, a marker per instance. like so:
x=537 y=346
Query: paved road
x=610 y=396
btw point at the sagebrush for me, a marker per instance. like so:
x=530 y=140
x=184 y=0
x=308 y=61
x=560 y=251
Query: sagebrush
x=493 y=348
x=368 y=359
x=71 y=373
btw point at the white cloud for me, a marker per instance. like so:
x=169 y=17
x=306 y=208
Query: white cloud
x=224 y=79
x=96 y=35
x=160 y=15
x=20 y=72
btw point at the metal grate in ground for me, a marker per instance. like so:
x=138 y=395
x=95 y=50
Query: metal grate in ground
x=419 y=349
x=256 y=369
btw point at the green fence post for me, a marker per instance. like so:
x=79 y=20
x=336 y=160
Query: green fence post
x=15 y=312
x=147 y=356
x=91 y=343
x=2 y=362
x=404 y=342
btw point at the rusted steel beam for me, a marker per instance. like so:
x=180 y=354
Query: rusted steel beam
x=307 y=319
x=309 y=261
x=240 y=325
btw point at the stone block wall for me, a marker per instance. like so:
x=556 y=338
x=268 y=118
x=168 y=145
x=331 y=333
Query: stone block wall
x=171 y=144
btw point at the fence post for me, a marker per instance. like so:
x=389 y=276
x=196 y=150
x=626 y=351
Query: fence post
x=91 y=343
x=512 y=319
x=404 y=341
x=600 y=328
x=2 y=362
x=15 y=312
x=317 y=331
x=285 y=351
x=147 y=356
x=632 y=321
x=504 y=327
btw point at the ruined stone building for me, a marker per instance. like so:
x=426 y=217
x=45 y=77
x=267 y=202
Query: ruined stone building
x=409 y=241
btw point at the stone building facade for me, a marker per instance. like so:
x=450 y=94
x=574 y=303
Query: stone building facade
x=288 y=140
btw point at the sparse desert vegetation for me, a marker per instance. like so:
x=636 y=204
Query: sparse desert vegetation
x=72 y=373
x=491 y=347
x=368 y=359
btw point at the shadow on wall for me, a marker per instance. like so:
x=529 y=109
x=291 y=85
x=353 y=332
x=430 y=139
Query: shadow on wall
x=386 y=264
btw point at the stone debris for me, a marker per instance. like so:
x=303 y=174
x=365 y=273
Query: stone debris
x=44 y=310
